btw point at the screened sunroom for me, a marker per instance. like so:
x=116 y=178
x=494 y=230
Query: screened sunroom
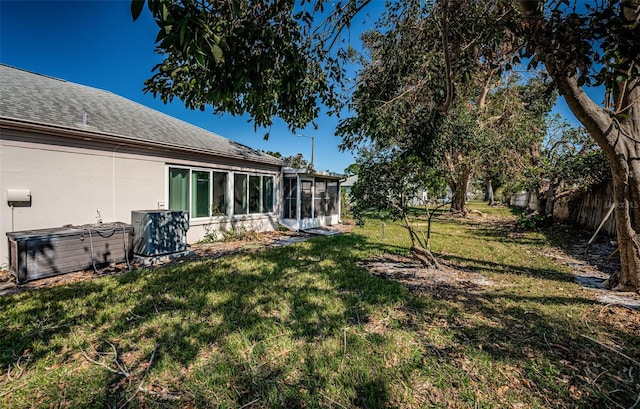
x=310 y=199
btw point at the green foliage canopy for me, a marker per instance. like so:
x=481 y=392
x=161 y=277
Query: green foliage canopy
x=569 y=160
x=293 y=161
x=485 y=124
x=263 y=58
x=594 y=39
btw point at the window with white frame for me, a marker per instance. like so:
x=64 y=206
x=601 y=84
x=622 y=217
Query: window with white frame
x=219 y=202
x=240 y=197
x=201 y=192
x=268 y=190
x=179 y=189
x=252 y=194
x=255 y=200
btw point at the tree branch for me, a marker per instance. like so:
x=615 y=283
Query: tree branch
x=623 y=90
x=343 y=20
x=591 y=115
x=482 y=100
x=594 y=118
x=611 y=349
x=416 y=87
x=447 y=58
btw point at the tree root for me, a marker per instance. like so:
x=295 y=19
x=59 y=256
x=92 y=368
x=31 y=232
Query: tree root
x=425 y=257
x=613 y=281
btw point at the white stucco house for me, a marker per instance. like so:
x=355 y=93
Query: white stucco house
x=82 y=154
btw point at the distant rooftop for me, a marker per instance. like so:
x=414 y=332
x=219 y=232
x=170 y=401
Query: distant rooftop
x=350 y=181
x=41 y=100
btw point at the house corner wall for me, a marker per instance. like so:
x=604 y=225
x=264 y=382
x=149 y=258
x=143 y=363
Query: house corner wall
x=70 y=179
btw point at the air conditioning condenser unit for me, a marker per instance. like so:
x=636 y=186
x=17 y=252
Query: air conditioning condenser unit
x=159 y=232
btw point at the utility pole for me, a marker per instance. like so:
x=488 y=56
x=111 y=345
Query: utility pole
x=313 y=143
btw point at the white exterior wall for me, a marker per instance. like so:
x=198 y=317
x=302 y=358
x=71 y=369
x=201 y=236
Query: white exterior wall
x=520 y=200
x=525 y=200
x=70 y=179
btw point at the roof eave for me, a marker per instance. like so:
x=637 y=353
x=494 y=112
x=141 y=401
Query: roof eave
x=58 y=130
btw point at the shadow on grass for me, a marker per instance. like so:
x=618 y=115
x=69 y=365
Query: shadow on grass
x=507 y=233
x=270 y=327
x=502 y=268
x=308 y=291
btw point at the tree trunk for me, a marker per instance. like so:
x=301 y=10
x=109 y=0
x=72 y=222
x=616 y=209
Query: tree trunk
x=459 y=188
x=458 y=201
x=617 y=132
x=618 y=139
x=626 y=191
x=550 y=197
x=457 y=174
x=490 y=199
x=423 y=254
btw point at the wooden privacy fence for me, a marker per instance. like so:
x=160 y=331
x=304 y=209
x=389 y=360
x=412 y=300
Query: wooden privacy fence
x=584 y=208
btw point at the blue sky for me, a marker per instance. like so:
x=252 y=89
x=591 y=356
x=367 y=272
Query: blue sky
x=96 y=43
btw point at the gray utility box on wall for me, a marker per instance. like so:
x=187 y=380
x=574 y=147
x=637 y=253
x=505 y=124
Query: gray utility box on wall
x=35 y=254
x=159 y=232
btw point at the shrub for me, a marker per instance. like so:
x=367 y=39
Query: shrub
x=529 y=222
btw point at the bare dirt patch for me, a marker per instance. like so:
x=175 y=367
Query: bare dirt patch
x=416 y=277
x=591 y=266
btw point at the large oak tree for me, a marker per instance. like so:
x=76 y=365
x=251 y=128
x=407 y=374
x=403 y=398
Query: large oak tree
x=431 y=89
x=597 y=44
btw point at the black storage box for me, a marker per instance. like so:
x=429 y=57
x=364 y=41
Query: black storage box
x=35 y=254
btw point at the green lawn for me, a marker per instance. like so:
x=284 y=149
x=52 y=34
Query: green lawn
x=304 y=326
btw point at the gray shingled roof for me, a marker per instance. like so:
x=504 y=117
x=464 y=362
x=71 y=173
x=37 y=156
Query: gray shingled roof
x=350 y=181
x=42 y=100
